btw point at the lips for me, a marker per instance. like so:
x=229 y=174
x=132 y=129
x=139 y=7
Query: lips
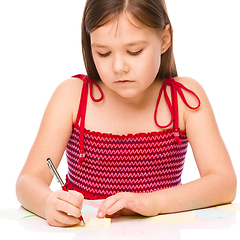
x=124 y=81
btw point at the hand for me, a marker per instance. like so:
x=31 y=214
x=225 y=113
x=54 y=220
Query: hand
x=64 y=208
x=126 y=203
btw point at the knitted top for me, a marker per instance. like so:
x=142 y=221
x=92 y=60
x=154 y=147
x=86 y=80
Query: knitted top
x=103 y=164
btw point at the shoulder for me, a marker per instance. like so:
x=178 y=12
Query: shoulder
x=191 y=84
x=204 y=115
x=196 y=88
x=192 y=116
x=67 y=95
x=68 y=90
x=70 y=85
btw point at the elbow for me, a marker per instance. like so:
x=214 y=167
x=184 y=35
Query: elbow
x=18 y=189
x=234 y=189
x=231 y=189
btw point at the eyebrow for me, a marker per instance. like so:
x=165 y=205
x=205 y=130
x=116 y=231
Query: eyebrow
x=130 y=44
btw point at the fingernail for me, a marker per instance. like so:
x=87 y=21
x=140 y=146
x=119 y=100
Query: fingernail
x=100 y=214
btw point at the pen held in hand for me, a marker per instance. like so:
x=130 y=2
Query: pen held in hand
x=58 y=178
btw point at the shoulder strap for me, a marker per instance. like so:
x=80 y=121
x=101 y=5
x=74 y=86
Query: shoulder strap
x=173 y=108
x=83 y=99
x=83 y=102
x=82 y=109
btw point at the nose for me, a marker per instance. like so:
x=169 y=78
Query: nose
x=120 y=64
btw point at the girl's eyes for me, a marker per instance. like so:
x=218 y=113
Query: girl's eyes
x=104 y=54
x=135 y=53
x=131 y=53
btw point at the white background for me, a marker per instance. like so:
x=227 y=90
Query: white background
x=40 y=46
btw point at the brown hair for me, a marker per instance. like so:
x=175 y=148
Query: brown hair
x=152 y=13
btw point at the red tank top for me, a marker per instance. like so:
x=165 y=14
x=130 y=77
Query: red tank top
x=103 y=164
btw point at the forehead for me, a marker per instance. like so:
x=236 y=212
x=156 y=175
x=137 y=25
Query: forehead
x=124 y=28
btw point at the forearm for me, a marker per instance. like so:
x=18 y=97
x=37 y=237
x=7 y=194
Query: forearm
x=32 y=193
x=210 y=190
x=207 y=191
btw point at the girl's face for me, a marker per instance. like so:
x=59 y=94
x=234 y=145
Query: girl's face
x=127 y=55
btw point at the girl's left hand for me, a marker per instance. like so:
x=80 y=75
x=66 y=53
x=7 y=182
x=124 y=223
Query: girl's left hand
x=126 y=203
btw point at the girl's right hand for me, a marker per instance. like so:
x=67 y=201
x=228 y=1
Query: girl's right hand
x=64 y=208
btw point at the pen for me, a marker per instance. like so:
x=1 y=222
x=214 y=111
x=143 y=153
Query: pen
x=58 y=178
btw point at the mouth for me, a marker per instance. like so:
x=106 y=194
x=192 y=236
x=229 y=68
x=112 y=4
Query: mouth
x=123 y=82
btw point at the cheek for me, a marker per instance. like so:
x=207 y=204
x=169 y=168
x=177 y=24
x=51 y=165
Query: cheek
x=156 y=60
x=150 y=65
x=100 y=66
x=103 y=71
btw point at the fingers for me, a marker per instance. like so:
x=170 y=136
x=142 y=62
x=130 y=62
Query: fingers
x=61 y=219
x=78 y=197
x=69 y=202
x=122 y=212
x=127 y=204
x=107 y=207
x=64 y=208
x=116 y=205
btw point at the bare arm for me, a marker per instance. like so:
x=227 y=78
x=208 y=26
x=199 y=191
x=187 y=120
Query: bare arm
x=217 y=184
x=33 y=183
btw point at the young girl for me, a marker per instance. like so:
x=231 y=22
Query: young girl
x=126 y=125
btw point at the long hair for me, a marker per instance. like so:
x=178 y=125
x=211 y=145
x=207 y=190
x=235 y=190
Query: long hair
x=152 y=13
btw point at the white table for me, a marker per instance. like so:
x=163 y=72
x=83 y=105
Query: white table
x=212 y=223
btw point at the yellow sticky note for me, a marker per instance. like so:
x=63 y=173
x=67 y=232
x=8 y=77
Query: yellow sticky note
x=230 y=207
x=92 y=223
x=177 y=218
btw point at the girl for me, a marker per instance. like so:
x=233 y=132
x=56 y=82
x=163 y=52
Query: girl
x=126 y=139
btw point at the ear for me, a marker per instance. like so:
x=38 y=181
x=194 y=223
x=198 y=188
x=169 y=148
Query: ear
x=166 y=38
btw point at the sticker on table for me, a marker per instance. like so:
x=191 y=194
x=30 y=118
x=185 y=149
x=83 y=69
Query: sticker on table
x=230 y=207
x=212 y=213
x=177 y=218
x=15 y=214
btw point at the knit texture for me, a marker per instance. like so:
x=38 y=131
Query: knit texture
x=138 y=163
